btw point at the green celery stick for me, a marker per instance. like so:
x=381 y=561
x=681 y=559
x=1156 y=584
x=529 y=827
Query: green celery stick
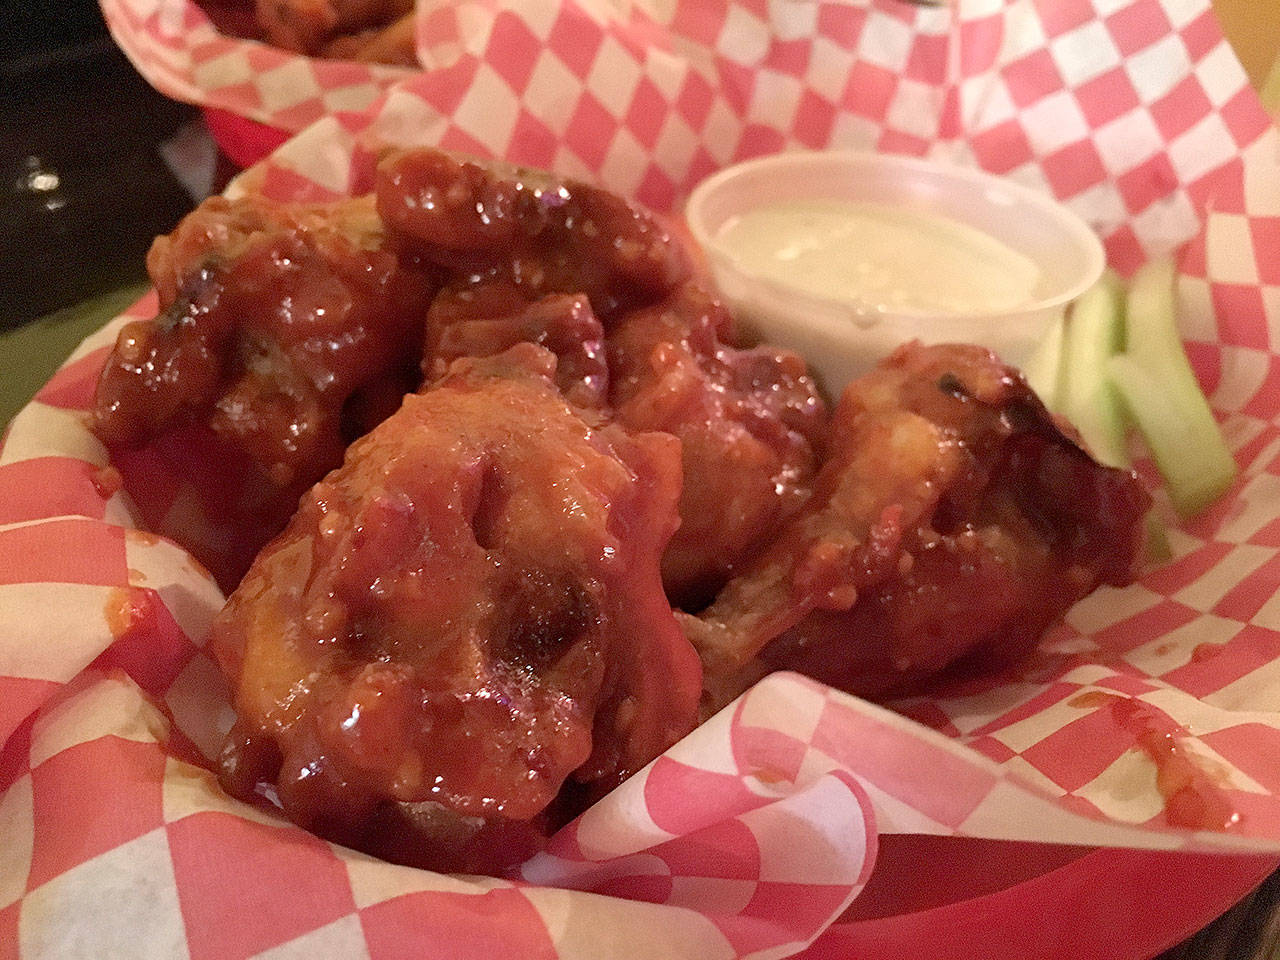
x=1043 y=370
x=1187 y=448
x=1094 y=332
x=1160 y=391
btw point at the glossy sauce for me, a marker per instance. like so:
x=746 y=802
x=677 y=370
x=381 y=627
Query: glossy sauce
x=1193 y=797
x=881 y=259
x=106 y=481
x=1206 y=651
x=128 y=609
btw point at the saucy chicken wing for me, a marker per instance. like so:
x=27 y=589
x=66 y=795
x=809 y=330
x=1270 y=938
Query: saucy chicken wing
x=952 y=516
x=751 y=426
x=393 y=44
x=311 y=26
x=750 y=422
x=287 y=330
x=482 y=319
x=464 y=617
x=466 y=632
x=539 y=233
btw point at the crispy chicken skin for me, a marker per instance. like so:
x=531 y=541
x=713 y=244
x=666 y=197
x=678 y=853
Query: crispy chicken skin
x=284 y=329
x=463 y=617
x=750 y=422
x=951 y=517
x=313 y=26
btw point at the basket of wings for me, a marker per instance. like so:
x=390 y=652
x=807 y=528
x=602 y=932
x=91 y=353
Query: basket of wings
x=317 y=641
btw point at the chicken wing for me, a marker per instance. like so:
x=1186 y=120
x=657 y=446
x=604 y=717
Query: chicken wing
x=466 y=615
x=952 y=516
x=285 y=329
x=393 y=44
x=530 y=229
x=750 y=422
x=481 y=319
x=306 y=26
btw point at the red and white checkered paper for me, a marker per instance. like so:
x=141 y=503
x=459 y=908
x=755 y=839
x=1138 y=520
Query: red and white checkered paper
x=752 y=835
x=181 y=53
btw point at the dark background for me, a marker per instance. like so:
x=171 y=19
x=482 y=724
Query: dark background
x=83 y=183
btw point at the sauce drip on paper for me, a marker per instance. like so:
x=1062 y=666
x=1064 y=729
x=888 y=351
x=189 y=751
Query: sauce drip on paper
x=127 y=609
x=106 y=481
x=1205 y=651
x=1192 y=797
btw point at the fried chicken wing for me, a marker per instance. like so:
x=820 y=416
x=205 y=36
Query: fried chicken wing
x=481 y=319
x=285 y=329
x=952 y=516
x=393 y=44
x=466 y=615
x=307 y=26
x=530 y=229
x=466 y=631
x=750 y=422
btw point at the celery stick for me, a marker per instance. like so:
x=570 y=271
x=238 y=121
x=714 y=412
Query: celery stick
x=1152 y=338
x=1175 y=419
x=1187 y=448
x=1093 y=333
x=1043 y=370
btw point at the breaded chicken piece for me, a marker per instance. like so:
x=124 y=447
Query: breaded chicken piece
x=284 y=329
x=462 y=619
x=952 y=516
x=751 y=425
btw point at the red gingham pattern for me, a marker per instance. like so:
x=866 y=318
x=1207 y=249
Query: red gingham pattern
x=755 y=832
x=183 y=56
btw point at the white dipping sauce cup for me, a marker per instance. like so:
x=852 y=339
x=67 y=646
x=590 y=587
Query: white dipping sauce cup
x=836 y=336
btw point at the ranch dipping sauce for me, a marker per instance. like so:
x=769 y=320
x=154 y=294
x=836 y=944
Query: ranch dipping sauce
x=843 y=256
x=880 y=259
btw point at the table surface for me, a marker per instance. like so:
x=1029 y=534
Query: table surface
x=66 y=152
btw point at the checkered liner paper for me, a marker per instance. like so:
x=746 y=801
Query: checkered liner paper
x=755 y=833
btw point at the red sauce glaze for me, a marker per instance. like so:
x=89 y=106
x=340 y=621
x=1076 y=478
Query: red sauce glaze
x=522 y=242
x=1205 y=651
x=1193 y=797
x=751 y=426
x=1092 y=699
x=464 y=617
x=272 y=319
x=524 y=227
x=106 y=481
x=128 y=609
x=482 y=319
x=142 y=537
x=951 y=519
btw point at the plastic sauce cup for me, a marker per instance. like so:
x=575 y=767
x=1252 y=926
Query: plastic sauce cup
x=837 y=336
